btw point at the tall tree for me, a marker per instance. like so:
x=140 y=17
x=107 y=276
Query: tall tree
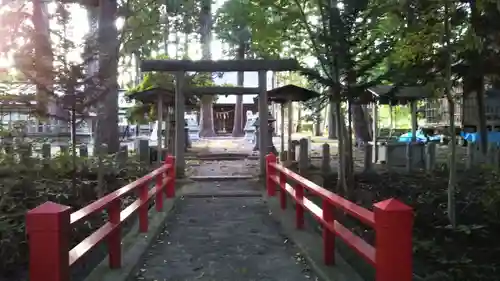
x=350 y=40
x=107 y=131
x=232 y=27
x=207 y=101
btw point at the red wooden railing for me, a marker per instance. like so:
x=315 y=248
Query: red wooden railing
x=392 y=221
x=48 y=226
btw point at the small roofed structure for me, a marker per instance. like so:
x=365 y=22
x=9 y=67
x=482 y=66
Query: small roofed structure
x=387 y=94
x=394 y=95
x=150 y=96
x=288 y=94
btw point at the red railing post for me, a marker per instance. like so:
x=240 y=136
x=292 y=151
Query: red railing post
x=299 y=208
x=143 y=209
x=282 y=190
x=48 y=229
x=170 y=189
x=393 y=242
x=270 y=172
x=328 y=235
x=114 y=239
x=159 y=192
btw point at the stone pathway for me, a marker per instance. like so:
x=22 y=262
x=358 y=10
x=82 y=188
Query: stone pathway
x=223 y=239
x=224 y=145
x=222 y=231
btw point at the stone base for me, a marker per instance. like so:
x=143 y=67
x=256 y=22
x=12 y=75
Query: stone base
x=153 y=155
x=394 y=154
x=250 y=135
x=194 y=135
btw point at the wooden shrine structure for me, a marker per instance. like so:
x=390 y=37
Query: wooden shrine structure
x=179 y=67
x=284 y=96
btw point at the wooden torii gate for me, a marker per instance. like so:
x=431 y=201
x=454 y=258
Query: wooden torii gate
x=179 y=67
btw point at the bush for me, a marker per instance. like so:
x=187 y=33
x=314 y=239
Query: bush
x=468 y=252
x=30 y=182
x=306 y=128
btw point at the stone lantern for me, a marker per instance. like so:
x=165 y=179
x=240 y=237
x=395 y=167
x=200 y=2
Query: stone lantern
x=270 y=128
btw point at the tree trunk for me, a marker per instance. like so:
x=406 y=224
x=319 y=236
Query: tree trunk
x=177 y=46
x=166 y=32
x=332 y=122
x=238 y=106
x=477 y=78
x=185 y=49
x=361 y=123
x=452 y=179
x=299 y=118
x=107 y=131
x=138 y=72
x=43 y=57
x=349 y=162
x=207 y=117
x=341 y=182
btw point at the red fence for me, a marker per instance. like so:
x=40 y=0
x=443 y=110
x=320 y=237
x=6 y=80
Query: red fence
x=392 y=221
x=49 y=225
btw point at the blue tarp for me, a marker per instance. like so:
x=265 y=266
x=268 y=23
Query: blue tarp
x=420 y=137
x=493 y=137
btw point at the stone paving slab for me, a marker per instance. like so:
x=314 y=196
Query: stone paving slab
x=223 y=239
x=224 y=168
x=222 y=188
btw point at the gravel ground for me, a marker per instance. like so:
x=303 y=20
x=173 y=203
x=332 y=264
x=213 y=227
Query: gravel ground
x=218 y=239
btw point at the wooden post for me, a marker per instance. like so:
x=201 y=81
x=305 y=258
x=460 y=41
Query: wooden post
x=328 y=235
x=282 y=130
x=282 y=190
x=143 y=209
x=270 y=171
x=84 y=151
x=159 y=192
x=159 y=130
x=179 y=124
x=115 y=238
x=325 y=160
x=122 y=156
x=414 y=121
x=170 y=189
x=299 y=209
x=492 y=148
x=393 y=241
x=143 y=150
x=471 y=151
x=48 y=229
x=374 y=147
x=167 y=128
x=369 y=155
x=409 y=157
x=303 y=156
x=46 y=151
x=64 y=150
x=290 y=127
x=263 y=120
x=430 y=156
x=496 y=159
